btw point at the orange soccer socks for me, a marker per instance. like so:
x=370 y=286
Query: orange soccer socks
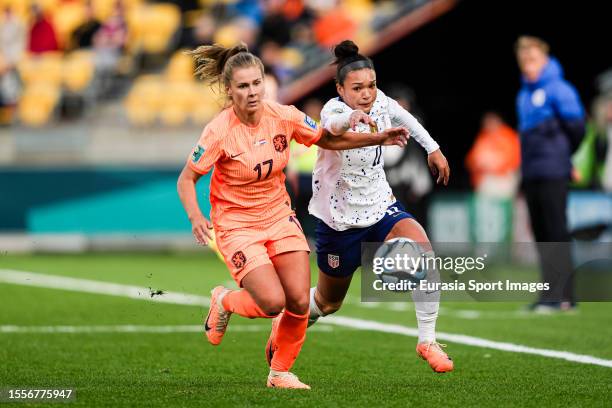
x=288 y=340
x=241 y=302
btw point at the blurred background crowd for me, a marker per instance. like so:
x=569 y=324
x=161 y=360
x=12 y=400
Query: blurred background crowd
x=59 y=57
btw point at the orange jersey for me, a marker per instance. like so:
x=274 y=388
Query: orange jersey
x=248 y=183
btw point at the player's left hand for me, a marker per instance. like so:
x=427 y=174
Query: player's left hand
x=439 y=166
x=395 y=136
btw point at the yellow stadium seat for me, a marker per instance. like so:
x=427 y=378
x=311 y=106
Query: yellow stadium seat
x=103 y=9
x=78 y=70
x=161 y=23
x=144 y=100
x=205 y=104
x=360 y=11
x=48 y=5
x=19 y=7
x=46 y=68
x=227 y=35
x=37 y=103
x=151 y=27
x=291 y=57
x=180 y=67
x=176 y=104
x=66 y=19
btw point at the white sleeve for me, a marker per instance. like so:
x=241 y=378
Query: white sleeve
x=401 y=117
x=335 y=116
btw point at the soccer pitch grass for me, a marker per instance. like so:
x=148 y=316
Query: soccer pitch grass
x=165 y=360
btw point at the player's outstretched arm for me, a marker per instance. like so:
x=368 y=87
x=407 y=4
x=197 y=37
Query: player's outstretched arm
x=200 y=226
x=353 y=140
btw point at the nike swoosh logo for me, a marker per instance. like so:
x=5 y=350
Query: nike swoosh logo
x=206 y=327
x=233 y=156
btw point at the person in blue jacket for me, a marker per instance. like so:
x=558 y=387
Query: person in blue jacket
x=551 y=126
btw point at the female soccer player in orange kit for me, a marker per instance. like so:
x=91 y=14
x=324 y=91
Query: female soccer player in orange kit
x=256 y=230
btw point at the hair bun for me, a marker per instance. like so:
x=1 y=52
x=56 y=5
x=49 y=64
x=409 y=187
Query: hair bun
x=346 y=49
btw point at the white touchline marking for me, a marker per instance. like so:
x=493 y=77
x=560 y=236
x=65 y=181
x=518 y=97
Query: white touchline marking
x=463 y=339
x=136 y=292
x=99 y=287
x=129 y=328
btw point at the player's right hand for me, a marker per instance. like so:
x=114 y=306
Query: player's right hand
x=201 y=229
x=359 y=116
x=395 y=136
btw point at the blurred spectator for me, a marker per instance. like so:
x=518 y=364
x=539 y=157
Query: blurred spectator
x=607 y=131
x=494 y=159
x=406 y=168
x=12 y=44
x=333 y=25
x=299 y=172
x=551 y=126
x=240 y=29
x=603 y=125
x=247 y=30
x=185 y=5
x=42 y=33
x=250 y=9
x=83 y=35
x=202 y=32
x=109 y=42
x=271 y=55
x=275 y=26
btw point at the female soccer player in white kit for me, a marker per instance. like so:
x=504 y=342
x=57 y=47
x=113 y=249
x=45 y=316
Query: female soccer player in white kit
x=353 y=200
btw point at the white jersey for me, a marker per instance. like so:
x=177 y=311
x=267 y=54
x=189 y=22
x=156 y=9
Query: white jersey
x=349 y=187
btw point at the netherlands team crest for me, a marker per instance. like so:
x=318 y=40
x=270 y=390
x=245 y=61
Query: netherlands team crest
x=239 y=259
x=280 y=143
x=333 y=260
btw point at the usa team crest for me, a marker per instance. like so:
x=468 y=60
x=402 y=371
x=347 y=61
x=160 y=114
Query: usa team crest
x=333 y=260
x=280 y=143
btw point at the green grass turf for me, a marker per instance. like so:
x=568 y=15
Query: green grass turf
x=345 y=367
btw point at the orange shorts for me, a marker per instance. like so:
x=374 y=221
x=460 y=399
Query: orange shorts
x=245 y=249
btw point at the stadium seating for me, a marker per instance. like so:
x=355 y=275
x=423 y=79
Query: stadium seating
x=152 y=27
x=173 y=98
x=38 y=103
x=66 y=19
x=180 y=67
x=78 y=70
x=144 y=100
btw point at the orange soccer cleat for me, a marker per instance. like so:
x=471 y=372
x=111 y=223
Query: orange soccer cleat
x=286 y=380
x=270 y=346
x=217 y=318
x=438 y=360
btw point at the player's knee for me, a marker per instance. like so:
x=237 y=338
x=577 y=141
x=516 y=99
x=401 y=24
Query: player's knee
x=330 y=307
x=299 y=305
x=273 y=305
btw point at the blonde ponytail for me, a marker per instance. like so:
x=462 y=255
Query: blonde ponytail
x=216 y=63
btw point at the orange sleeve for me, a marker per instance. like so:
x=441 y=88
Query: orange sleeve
x=305 y=130
x=206 y=152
